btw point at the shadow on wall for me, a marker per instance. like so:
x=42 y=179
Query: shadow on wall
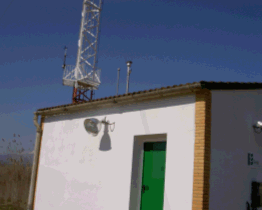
x=105 y=144
x=257 y=137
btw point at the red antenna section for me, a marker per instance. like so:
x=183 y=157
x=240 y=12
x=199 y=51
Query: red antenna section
x=82 y=95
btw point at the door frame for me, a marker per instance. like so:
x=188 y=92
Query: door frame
x=138 y=160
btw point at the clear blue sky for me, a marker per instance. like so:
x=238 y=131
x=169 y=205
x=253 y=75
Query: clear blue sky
x=169 y=42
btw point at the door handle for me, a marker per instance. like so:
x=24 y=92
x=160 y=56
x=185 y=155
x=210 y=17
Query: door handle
x=144 y=188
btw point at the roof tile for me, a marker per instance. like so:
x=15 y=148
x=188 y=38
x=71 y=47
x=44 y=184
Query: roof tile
x=212 y=85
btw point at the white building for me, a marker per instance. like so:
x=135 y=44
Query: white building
x=182 y=147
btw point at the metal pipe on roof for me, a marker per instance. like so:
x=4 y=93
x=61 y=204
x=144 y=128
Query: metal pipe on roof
x=118 y=74
x=35 y=163
x=128 y=74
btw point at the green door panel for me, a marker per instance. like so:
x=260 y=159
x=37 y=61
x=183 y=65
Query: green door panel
x=153 y=179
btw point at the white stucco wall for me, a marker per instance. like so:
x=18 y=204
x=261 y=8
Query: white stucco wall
x=75 y=171
x=232 y=137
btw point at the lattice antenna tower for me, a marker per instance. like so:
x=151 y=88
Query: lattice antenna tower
x=84 y=77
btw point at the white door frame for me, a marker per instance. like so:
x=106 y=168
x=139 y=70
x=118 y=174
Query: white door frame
x=137 y=167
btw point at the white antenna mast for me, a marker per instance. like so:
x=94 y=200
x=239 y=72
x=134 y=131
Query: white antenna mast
x=84 y=75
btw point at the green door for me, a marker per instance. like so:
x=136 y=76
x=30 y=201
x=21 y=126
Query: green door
x=153 y=180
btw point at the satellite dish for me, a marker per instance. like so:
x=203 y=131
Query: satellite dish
x=92 y=126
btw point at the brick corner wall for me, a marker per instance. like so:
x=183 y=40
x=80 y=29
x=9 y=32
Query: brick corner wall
x=202 y=150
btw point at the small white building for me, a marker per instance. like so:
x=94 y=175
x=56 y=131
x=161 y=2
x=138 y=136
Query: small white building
x=183 y=147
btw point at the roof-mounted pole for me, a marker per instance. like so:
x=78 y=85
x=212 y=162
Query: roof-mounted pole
x=64 y=64
x=128 y=74
x=118 y=74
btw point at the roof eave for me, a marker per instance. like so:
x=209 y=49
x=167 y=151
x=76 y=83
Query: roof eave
x=127 y=99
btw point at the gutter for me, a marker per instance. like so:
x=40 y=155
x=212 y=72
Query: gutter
x=35 y=163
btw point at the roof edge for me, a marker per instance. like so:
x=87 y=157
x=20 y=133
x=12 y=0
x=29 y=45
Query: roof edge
x=122 y=99
x=149 y=94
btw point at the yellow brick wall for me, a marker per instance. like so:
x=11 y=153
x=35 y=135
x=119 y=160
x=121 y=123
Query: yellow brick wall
x=202 y=150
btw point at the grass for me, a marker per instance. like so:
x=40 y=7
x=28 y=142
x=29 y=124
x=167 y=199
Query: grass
x=14 y=182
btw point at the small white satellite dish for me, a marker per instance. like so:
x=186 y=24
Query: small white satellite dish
x=92 y=126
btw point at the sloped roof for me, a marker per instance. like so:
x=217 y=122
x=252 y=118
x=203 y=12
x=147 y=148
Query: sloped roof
x=211 y=85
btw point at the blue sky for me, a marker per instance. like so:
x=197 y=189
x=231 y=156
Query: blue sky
x=169 y=42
